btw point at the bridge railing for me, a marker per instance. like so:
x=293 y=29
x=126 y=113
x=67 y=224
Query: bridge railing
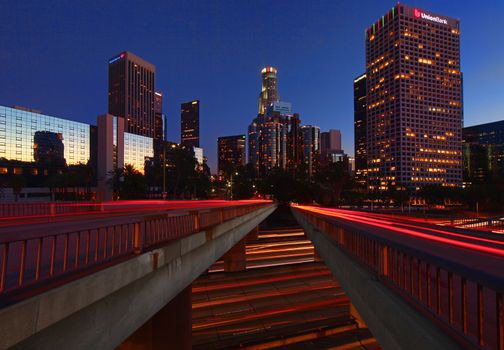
x=13 y=209
x=466 y=303
x=51 y=258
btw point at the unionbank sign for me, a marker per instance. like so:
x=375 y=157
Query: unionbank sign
x=437 y=19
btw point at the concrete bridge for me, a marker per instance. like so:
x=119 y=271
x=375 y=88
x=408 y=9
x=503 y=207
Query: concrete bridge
x=84 y=284
x=416 y=286
x=119 y=275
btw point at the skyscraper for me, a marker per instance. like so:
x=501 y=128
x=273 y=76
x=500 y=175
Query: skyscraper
x=311 y=148
x=231 y=152
x=159 y=118
x=269 y=90
x=189 y=123
x=274 y=139
x=360 y=128
x=131 y=92
x=330 y=140
x=414 y=100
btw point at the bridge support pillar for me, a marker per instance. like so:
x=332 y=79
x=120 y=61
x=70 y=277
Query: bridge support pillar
x=253 y=235
x=169 y=328
x=235 y=259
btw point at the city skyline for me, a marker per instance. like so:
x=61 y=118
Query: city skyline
x=332 y=27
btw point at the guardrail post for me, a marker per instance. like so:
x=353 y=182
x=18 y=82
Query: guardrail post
x=136 y=239
x=197 y=222
x=385 y=266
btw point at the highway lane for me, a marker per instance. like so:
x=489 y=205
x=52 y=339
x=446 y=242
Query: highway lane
x=284 y=299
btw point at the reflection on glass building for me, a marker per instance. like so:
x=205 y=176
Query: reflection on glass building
x=17 y=135
x=483 y=149
x=136 y=149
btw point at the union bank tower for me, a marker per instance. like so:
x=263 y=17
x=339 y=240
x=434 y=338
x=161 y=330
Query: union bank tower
x=414 y=100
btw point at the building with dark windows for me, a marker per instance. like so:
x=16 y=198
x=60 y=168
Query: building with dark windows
x=414 y=100
x=189 y=124
x=231 y=153
x=483 y=149
x=159 y=117
x=360 y=128
x=48 y=149
x=330 y=140
x=269 y=89
x=131 y=93
x=311 y=148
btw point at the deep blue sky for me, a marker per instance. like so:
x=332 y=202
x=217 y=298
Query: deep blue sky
x=53 y=56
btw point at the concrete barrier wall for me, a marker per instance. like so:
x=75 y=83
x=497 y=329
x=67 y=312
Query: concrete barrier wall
x=393 y=322
x=101 y=310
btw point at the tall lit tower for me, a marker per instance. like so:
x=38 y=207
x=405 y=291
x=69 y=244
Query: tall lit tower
x=414 y=100
x=269 y=90
x=131 y=92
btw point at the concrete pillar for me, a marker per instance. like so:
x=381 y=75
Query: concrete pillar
x=235 y=259
x=169 y=328
x=253 y=235
x=354 y=314
x=316 y=256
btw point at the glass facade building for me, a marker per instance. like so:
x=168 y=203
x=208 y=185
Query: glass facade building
x=483 y=148
x=17 y=135
x=136 y=149
x=269 y=89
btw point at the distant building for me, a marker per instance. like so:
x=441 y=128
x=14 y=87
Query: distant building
x=269 y=89
x=483 y=149
x=274 y=140
x=189 y=124
x=413 y=100
x=231 y=153
x=198 y=154
x=330 y=140
x=131 y=93
x=311 y=148
x=360 y=128
x=159 y=117
x=48 y=149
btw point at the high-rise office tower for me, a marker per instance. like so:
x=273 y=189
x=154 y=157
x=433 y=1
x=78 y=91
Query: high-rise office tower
x=189 y=123
x=231 y=152
x=269 y=89
x=330 y=140
x=360 y=128
x=131 y=92
x=159 y=118
x=274 y=139
x=311 y=148
x=414 y=100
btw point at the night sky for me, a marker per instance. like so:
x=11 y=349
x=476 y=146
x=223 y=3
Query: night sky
x=53 y=57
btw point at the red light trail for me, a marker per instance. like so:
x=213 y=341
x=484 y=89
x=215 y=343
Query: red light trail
x=363 y=218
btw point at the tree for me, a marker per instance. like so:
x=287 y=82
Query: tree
x=17 y=183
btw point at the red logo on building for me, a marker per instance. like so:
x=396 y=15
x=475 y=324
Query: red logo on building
x=416 y=13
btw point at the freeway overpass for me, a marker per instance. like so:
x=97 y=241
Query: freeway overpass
x=93 y=276
x=87 y=279
x=416 y=285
